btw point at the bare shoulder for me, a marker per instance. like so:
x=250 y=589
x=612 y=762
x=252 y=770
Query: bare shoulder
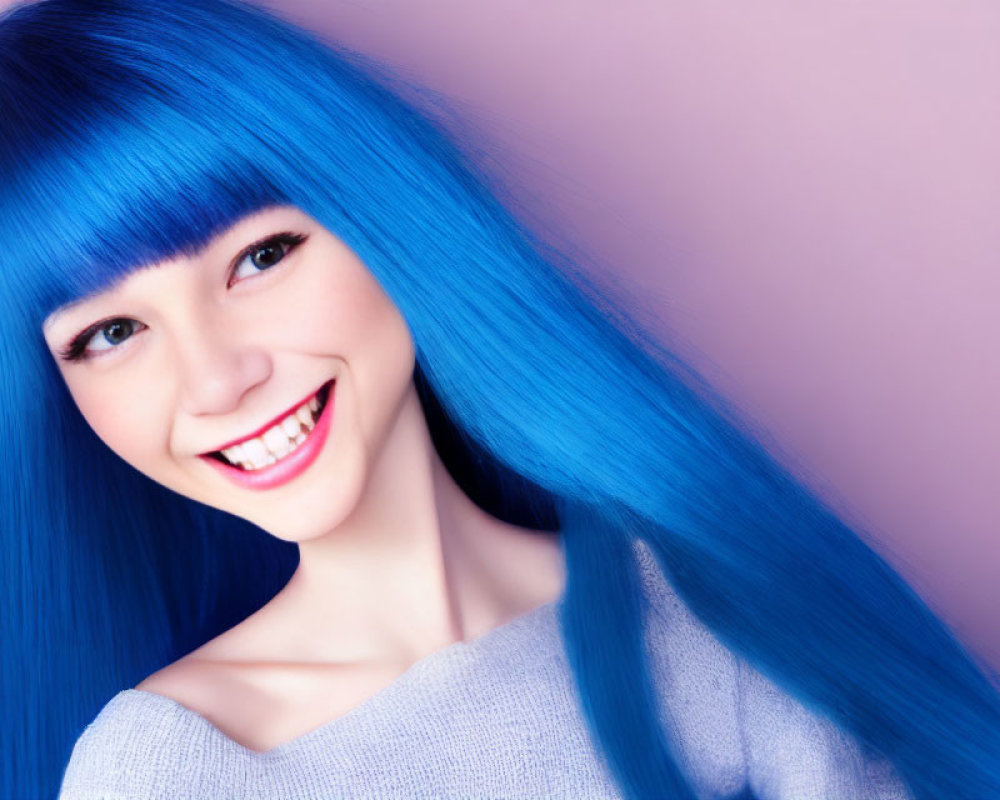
x=189 y=679
x=211 y=687
x=261 y=704
x=202 y=670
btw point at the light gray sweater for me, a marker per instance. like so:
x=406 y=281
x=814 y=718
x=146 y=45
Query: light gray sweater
x=495 y=717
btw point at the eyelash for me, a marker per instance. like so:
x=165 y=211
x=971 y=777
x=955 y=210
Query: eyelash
x=76 y=350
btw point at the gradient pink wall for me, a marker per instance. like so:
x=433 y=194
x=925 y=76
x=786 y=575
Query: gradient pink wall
x=804 y=195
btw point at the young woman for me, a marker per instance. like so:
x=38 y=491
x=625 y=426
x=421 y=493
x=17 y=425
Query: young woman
x=326 y=478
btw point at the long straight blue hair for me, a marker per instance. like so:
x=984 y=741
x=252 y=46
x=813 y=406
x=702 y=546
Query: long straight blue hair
x=133 y=131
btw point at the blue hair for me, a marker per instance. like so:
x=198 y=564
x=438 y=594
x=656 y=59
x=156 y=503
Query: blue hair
x=134 y=131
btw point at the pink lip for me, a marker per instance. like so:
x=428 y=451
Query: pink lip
x=266 y=425
x=288 y=467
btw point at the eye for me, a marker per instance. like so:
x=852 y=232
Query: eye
x=108 y=334
x=263 y=255
x=100 y=337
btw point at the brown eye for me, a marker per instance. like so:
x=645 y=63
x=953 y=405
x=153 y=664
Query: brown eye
x=264 y=255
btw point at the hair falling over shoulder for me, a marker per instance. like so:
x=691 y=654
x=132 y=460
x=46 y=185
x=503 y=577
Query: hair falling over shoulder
x=134 y=130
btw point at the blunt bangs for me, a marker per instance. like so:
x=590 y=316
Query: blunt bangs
x=85 y=224
x=132 y=143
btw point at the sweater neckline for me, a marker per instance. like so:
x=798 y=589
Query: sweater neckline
x=449 y=652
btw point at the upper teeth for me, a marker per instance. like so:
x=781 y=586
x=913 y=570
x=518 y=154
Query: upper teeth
x=277 y=441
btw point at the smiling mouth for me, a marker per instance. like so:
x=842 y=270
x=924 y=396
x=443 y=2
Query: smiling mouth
x=279 y=440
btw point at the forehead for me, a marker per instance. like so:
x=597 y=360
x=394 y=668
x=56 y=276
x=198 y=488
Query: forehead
x=222 y=245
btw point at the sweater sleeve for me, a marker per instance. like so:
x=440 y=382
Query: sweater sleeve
x=135 y=748
x=793 y=754
x=99 y=767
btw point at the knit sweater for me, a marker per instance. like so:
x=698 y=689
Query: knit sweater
x=496 y=717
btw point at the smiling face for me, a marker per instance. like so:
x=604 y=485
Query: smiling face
x=183 y=359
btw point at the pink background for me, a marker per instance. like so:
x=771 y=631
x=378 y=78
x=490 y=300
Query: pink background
x=803 y=195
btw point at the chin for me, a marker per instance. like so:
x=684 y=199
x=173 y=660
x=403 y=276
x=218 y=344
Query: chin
x=302 y=521
x=310 y=506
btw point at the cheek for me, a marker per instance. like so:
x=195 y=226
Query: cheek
x=359 y=320
x=380 y=333
x=361 y=325
x=125 y=420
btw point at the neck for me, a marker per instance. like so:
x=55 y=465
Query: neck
x=416 y=565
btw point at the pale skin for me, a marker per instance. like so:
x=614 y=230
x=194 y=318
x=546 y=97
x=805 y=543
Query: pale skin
x=396 y=562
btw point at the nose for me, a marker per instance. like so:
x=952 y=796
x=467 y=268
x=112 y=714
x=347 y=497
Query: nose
x=217 y=370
